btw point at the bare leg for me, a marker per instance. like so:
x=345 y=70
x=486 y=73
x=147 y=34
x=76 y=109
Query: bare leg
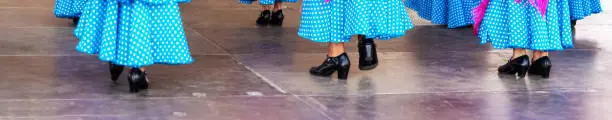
x=335 y=49
x=278 y=6
x=266 y=7
x=538 y=55
x=518 y=52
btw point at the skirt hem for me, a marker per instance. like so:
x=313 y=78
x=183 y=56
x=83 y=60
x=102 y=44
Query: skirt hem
x=528 y=48
x=184 y=62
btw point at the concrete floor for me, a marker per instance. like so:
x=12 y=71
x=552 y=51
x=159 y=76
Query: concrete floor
x=243 y=72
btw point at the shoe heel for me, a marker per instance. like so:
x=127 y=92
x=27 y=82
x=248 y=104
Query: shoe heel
x=546 y=72
x=137 y=86
x=133 y=88
x=144 y=84
x=522 y=71
x=115 y=71
x=343 y=72
x=75 y=20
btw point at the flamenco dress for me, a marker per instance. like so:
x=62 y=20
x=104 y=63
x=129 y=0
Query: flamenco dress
x=71 y=9
x=134 y=33
x=453 y=13
x=337 y=20
x=522 y=24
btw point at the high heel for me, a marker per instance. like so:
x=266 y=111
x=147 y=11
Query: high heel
x=518 y=66
x=367 y=53
x=541 y=66
x=115 y=71
x=138 y=80
x=264 y=18
x=76 y=20
x=340 y=63
x=277 y=18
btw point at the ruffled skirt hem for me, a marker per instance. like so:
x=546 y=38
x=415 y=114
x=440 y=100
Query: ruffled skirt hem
x=580 y=9
x=338 y=20
x=453 y=13
x=133 y=34
x=68 y=8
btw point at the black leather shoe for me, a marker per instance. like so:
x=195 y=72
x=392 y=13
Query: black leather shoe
x=115 y=71
x=367 y=53
x=541 y=66
x=340 y=63
x=264 y=17
x=517 y=66
x=76 y=20
x=277 y=18
x=138 y=80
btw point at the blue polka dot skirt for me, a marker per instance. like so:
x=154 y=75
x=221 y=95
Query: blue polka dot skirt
x=338 y=20
x=510 y=24
x=454 y=13
x=68 y=8
x=582 y=8
x=265 y=2
x=134 y=33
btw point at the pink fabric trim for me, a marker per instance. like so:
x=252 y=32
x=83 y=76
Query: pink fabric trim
x=541 y=5
x=327 y=1
x=479 y=12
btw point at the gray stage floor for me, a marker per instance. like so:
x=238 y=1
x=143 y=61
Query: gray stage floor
x=243 y=72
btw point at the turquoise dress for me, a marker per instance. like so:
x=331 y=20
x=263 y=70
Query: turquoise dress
x=68 y=8
x=511 y=24
x=134 y=33
x=265 y=2
x=580 y=9
x=453 y=13
x=338 y=20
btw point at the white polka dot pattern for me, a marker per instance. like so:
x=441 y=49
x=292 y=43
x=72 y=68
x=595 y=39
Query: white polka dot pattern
x=583 y=8
x=68 y=8
x=265 y=2
x=454 y=13
x=338 y=20
x=509 y=24
x=134 y=33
